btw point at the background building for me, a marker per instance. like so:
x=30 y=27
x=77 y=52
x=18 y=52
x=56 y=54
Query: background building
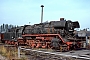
x=6 y=27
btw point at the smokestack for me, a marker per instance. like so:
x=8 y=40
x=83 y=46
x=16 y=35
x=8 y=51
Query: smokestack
x=61 y=19
x=42 y=13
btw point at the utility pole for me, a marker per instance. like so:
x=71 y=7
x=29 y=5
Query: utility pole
x=42 y=13
x=18 y=51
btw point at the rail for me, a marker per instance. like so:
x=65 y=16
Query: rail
x=56 y=53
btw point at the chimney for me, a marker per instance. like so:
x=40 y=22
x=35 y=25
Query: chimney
x=61 y=19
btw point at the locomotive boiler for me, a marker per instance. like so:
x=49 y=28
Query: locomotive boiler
x=61 y=27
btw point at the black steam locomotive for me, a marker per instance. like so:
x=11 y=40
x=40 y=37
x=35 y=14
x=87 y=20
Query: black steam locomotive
x=29 y=34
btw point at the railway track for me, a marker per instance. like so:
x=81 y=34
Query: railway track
x=79 y=55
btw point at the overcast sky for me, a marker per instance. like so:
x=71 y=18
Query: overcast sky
x=21 y=12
